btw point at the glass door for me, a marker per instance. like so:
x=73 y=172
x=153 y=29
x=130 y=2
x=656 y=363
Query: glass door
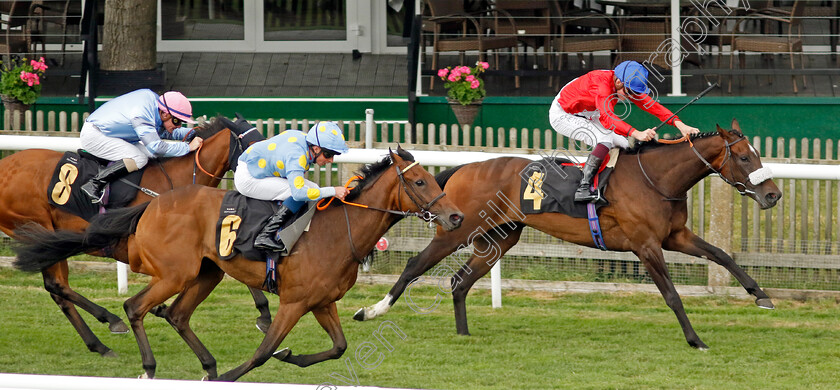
x=208 y=25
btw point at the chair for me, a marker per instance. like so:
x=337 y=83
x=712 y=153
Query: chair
x=61 y=13
x=786 y=43
x=15 y=27
x=567 y=43
x=826 y=11
x=641 y=40
x=471 y=36
x=532 y=22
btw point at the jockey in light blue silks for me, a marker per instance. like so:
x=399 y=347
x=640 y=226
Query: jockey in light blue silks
x=274 y=169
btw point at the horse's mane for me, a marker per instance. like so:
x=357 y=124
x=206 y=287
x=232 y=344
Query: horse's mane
x=369 y=172
x=647 y=145
x=210 y=128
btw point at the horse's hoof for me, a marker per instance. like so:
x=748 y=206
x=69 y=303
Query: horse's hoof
x=765 y=303
x=145 y=375
x=360 y=315
x=700 y=346
x=282 y=354
x=118 y=328
x=110 y=354
x=263 y=324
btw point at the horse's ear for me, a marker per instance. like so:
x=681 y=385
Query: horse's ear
x=736 y=126
x=723 y=132
x=394 y=156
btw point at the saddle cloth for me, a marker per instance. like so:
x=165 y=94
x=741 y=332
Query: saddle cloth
x=74 y=170
x=242 y=218
x=548 y=186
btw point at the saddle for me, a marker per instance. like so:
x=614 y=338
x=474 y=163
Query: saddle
x=75 y=169
x=242 y=218
x=548 y=186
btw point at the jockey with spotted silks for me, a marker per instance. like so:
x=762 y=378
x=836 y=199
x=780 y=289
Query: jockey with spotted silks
x=130 y=129
x=273 y=169
x=584 y=110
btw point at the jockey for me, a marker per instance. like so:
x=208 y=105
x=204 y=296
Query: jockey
x=129 y=129
x=584 y=110
x=274 y=170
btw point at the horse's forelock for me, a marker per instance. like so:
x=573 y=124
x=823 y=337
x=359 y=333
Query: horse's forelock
x=210 y=128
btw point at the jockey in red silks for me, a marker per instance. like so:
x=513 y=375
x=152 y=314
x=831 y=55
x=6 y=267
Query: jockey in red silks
x=584 y=110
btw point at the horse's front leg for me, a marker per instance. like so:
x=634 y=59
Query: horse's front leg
x=264 y=320
x=687 y=242
x=327 y=316
x=651 y=256
x=440 y=247
x=287 y=316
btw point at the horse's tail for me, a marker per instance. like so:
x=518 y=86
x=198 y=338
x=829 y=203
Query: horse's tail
x=38 y=248
x=443 y=177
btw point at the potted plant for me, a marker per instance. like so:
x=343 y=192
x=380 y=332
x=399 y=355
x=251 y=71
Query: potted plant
x=464 y=90
x=20 y=82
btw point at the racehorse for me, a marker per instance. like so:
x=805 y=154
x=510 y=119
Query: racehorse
x=24 y=180
x=647 y=212
x=175 y=243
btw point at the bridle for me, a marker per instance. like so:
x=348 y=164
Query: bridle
x=755 y=178
x=424 y=213
x=425 y=208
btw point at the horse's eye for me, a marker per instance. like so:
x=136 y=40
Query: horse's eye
x=419 y=183
x=744 y=158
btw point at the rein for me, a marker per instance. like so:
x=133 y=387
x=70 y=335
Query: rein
x=198 y=164
x=727 y=147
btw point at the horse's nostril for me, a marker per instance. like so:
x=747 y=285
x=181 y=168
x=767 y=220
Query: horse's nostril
x=456 y=218
x=773 y=196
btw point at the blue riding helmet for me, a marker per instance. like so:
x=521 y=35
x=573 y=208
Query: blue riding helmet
x=327 y=135
x=633 y=75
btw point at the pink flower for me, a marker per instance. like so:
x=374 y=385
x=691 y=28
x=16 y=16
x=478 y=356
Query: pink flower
x=475 y=84
x=38 y=65
x=484 y=64
x=454 y=76
x=464 y=69
x=470 y=78
x=443 y=72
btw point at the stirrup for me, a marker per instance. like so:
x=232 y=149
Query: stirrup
x=93 y=197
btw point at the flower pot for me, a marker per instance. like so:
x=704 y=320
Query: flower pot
x=11 y=105
x=465 y=114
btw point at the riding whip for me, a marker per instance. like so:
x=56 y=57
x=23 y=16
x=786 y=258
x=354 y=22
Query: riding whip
x=696 y=98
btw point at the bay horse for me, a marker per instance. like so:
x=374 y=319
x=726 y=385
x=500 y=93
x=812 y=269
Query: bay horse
x=24 y=180
x=173 y=239
x=647 y=212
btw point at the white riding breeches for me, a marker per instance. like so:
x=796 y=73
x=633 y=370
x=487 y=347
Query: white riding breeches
x=267 y=188
x=584 y=126
x=112 y=149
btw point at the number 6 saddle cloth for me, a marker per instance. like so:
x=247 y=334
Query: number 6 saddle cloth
x=242 y=218
x=75 y=169
x=549 y=185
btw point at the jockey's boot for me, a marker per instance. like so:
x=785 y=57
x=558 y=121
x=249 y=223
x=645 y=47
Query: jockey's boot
x=95 y=186
x=266 y=240
x=590 y=169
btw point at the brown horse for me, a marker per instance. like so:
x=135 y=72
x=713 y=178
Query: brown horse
x=322 y=267
x=647 y=212
x=25 y=177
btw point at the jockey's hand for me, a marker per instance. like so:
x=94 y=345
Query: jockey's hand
x=341 y=192
x=686 y=129
x=646 y=135
x=195 y=143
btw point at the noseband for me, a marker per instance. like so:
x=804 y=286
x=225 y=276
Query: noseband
x=415 y=197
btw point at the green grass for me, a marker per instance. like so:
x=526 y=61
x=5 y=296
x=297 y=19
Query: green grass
x=537 y=340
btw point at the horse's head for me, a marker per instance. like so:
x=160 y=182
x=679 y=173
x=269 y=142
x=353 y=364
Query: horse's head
x=419 y=192
x=742 y=168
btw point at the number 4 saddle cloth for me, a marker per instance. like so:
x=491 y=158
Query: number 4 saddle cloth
x=549 y=185
x=242 y=218
x=74 y=170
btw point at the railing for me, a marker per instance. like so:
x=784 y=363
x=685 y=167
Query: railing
x=794 y=245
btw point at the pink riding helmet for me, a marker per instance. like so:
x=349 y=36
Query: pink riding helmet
x=177 y=104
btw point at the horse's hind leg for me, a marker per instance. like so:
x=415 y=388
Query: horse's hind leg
x=287 y=316
x=440 y=247
x=181 y=310
x=654 y=262
x=57 y=283
x=479 y=264
x=136 y=308
x=327 y=316
x=687 y=242
x=264 y=320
